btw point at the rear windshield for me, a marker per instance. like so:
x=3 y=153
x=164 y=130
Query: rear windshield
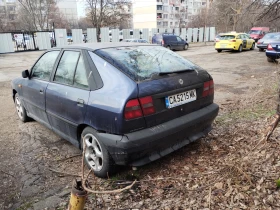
x=275 y=36
x=227 y=37
x=142 y=62
x=254 y=32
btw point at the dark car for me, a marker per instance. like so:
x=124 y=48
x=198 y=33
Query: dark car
x=273 y=51
x=131 y=103
x=170 y=41
x=270 y=37
x=135 y=40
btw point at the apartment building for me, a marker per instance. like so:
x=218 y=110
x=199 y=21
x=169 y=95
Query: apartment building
x=8 y=10
x=165 y=13
x=69 y=8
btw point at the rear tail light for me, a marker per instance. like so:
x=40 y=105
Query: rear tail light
x=233 y=40
x=134 y=109
x=259 y=42
x=147 y=105
x=208 y=88
x=217 y=40
x=269 y=47
x=162 y=42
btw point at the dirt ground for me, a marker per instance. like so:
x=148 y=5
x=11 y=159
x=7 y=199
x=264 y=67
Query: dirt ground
x=225 y=170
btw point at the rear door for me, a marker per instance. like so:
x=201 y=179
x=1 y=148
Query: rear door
x=67 y=95
x=34 y=89
x=244 y=41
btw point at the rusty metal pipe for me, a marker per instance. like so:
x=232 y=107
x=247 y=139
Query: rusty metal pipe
x=78 y=196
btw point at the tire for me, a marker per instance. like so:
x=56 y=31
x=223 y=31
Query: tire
x=261 y=50
x=253 y=46
x=240 y=48
x=168 y=47
x=219 y=51
x=270 y=60
x=97 y=156
x=21 y=111
x=186 y=47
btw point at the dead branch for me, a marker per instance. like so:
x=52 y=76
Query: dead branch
x=64 y=173
x=7 y=173
x=67 y=158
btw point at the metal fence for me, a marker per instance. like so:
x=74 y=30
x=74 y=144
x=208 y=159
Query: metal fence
x=42 y=40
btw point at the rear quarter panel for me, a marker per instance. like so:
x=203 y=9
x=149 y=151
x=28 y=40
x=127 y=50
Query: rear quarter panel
x=106 y=105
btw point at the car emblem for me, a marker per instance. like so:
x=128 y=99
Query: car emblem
x=181 y=81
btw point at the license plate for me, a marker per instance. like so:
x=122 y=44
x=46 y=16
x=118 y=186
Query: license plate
x=223 y=45
x=180 y=98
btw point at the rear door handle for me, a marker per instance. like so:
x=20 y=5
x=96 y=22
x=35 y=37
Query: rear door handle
x=41 y=91
x=80 y=102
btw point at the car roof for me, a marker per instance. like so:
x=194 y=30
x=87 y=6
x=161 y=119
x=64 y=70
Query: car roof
x=102 y=45
x=225 y=34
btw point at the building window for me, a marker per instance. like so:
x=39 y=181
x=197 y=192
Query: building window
x=165 y=23
x=165 y=8
x=159 y=23
x=203 y=3
x=177 y=8
x=159 y=7
x=165 y=1
x=171 y=15
x=159 y=15
x=165 y=16
x=171 y=23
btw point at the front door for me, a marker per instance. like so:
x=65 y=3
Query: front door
x=180 y=43
x=67 y=95
x=34 y=89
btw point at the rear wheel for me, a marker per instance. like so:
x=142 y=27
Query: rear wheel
x=240 y=48
x=21 y=111
x=261 y=50
x=253 y=46
x=219 y=51
x=270 y=59
x=97 y=156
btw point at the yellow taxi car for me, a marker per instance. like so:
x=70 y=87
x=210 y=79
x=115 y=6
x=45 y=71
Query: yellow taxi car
x=234 y=41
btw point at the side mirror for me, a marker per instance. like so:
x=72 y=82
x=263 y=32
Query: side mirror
x=25 y=74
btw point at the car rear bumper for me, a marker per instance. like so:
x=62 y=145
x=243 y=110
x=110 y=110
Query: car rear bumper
x=262 y=46
x=144 y=146
x=273 y=55
x=225 y=48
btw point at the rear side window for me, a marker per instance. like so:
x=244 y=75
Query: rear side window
x=66 y=67
x=227 y=37
x=80 y=79
x=142 y=62
x=43 y=68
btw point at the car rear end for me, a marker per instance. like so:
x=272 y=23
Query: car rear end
x=173 y=107
x=226 y=42
x=270 y=37
x=273 y=50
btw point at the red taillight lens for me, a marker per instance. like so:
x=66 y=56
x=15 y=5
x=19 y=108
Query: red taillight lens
x=162 y=42
x=208 y=88
x=147 y=105
x=132 y=110
x=217 y=40
x=269 y=47
x=233 y=40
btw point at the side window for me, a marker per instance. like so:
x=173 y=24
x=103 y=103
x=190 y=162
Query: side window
x=44 y=66
x=238 y=37
x=66 y=67
x=80 y=79
x=179 y=39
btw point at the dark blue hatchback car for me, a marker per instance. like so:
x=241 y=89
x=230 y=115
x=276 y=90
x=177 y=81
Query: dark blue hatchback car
x=273 y=51
x=170 y=41
x=131 y=103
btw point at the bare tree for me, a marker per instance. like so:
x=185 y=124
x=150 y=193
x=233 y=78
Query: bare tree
x=107 y=13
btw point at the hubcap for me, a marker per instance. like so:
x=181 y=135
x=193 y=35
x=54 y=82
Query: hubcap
x=19 y=108
x=93 y=152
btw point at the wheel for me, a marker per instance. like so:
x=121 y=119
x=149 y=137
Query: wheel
x=97 y=157
x=261 y=50
x=21 y=111
x=270 y=59
x=253 y=46
x=186 y=47
x=240 y=48
x=219 y=51
x=168 y=47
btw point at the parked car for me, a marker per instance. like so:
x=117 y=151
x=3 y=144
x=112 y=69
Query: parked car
x=131 y=103
x=234 y=41
x=170 y=41
x=257 y=33
x=273 y=51
x=136 y=40
x=270 y=37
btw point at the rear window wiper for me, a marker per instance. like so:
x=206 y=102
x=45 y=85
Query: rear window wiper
x=175 y=72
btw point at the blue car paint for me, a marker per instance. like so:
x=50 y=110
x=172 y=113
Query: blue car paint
x=106 y=104
x=274 y=54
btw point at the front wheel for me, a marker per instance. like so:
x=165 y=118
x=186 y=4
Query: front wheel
x=261 y=50
x=168 y=47
x=253 y=46
x=186 y=47
x=21 y=111
x=240 y=48
x=97 y=157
